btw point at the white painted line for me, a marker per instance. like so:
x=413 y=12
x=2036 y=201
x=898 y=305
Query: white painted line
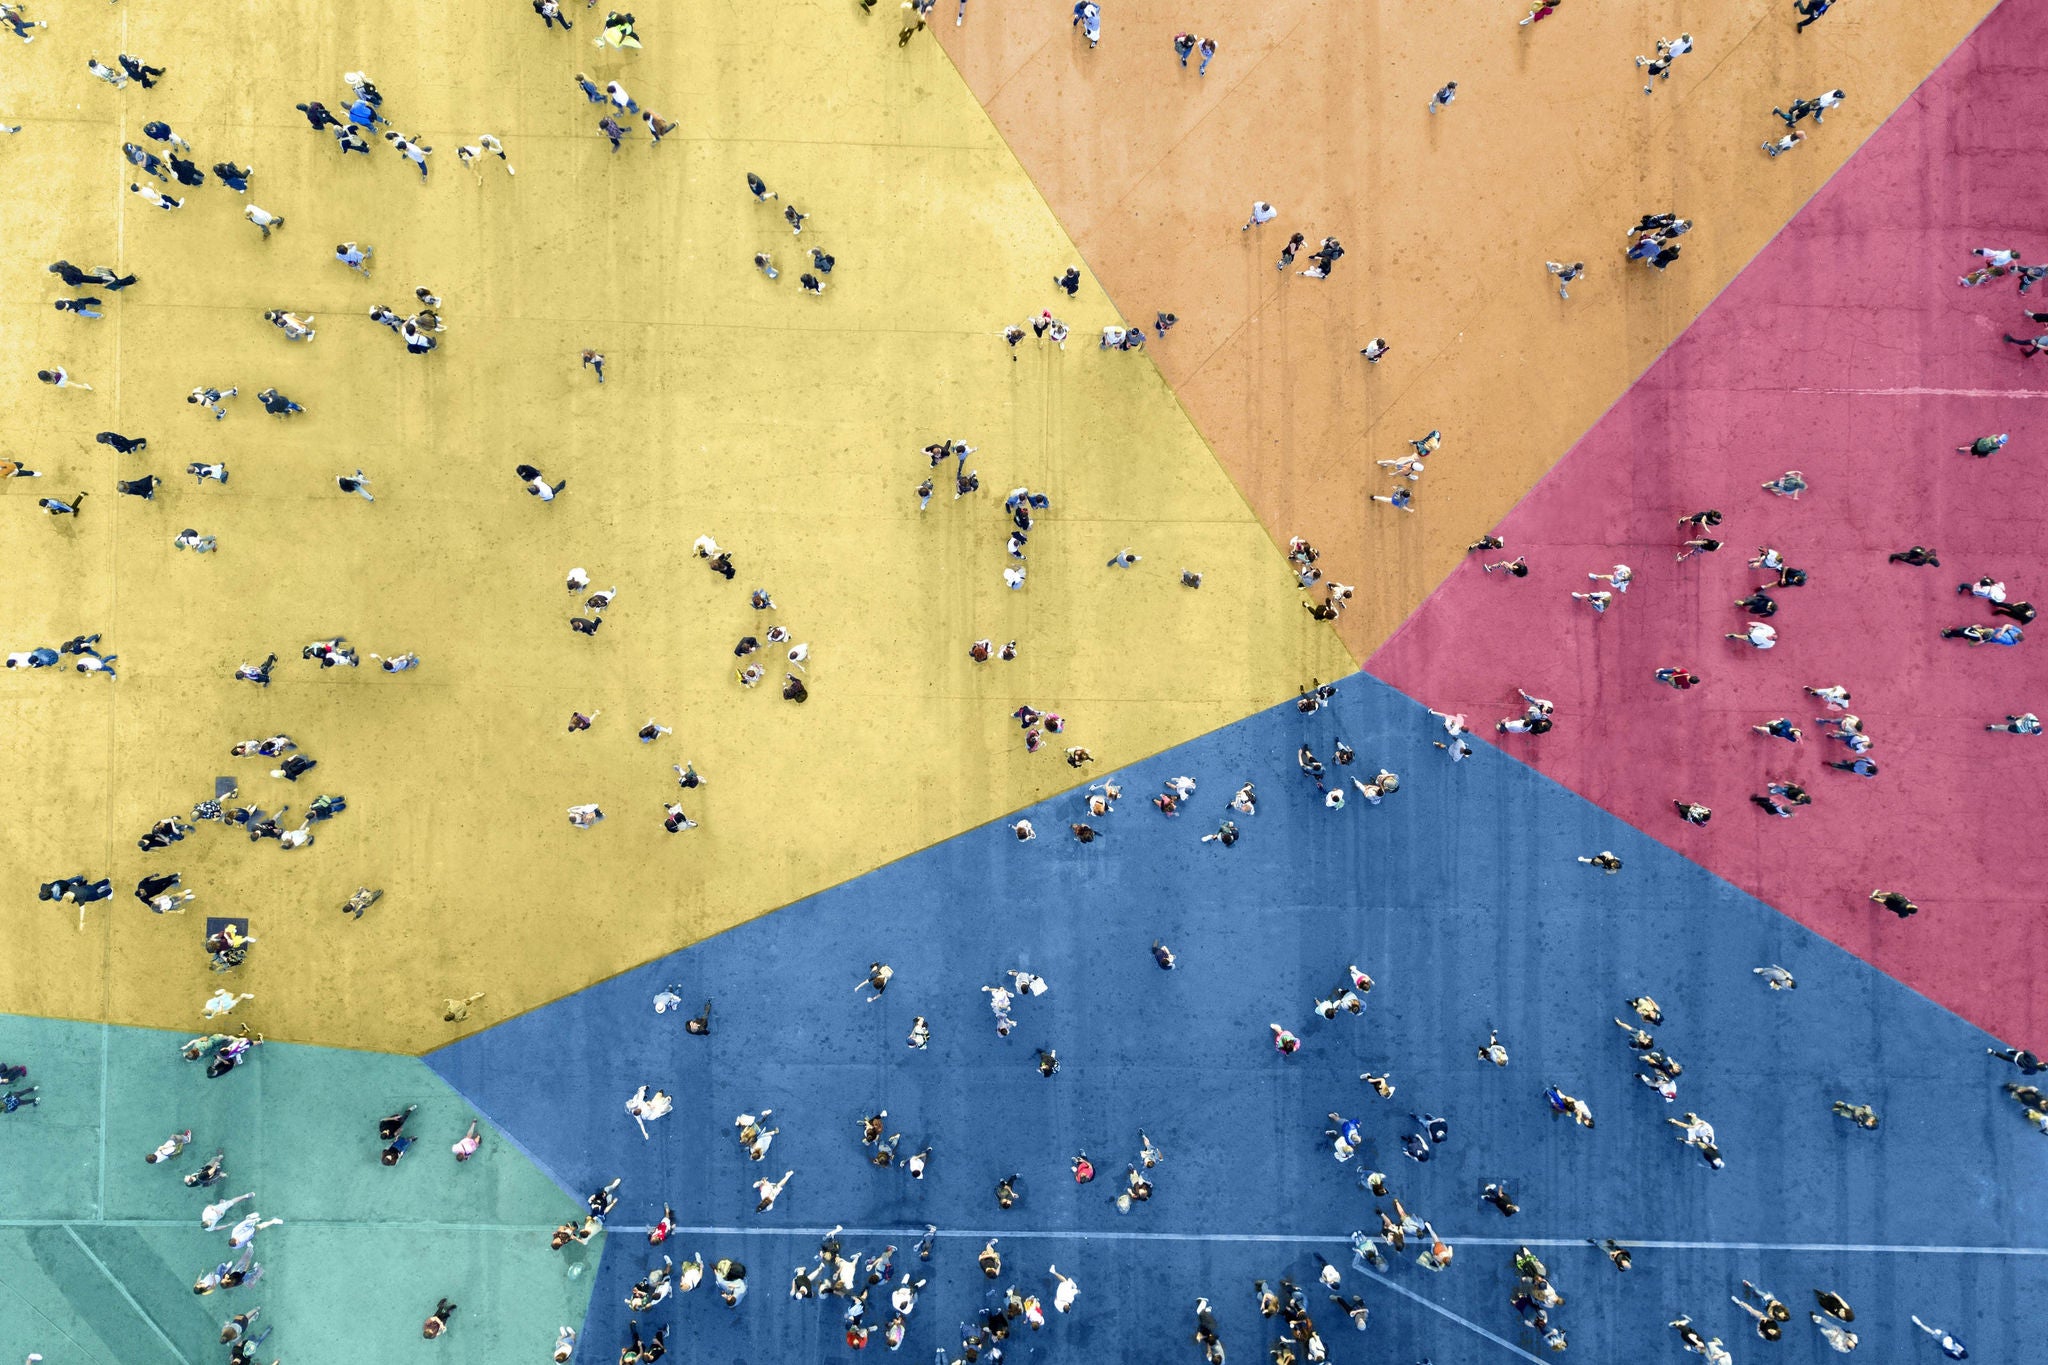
x=1340 y=1241
x=1466 y=1323
x=1929 y=393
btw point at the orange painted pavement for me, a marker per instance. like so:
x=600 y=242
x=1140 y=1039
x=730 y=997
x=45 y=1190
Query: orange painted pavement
x=1321 y=108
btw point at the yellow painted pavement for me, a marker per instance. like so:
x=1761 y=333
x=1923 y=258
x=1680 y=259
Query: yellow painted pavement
x=787 y=427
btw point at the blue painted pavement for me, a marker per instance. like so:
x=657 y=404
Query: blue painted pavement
x=1461 y=897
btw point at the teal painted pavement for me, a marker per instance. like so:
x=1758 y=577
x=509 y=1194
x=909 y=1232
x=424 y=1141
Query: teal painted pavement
x=99 y=1248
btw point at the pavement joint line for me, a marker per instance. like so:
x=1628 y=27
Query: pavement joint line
x=106 y=1045
x=128 y=1298
x=997 y=93
x=113 y=699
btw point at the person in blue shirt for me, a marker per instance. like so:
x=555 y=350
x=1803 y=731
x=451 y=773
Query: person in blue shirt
x=1088 y=16
x=2007 y=635
x=1809 y=11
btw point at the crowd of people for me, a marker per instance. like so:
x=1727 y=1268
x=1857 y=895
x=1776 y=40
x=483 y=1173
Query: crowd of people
x=1781 y=797
x=875 y=1297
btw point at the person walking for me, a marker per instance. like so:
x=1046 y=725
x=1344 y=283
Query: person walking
x=1088 y=18
x=437 y=1321
x=263 y=218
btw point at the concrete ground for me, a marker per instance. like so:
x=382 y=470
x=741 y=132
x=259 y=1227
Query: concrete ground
x=99 y=1248
x=1866 y=380
x=1551 y=151
x=1461 y=897
x=787 y=427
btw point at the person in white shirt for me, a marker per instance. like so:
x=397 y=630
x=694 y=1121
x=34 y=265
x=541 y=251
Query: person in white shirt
x=246 y=1230
x=770 y=1191
x=644 y=1107
x=1758 y=635
x=1841 y=1340
x=999 y=1002
x=262 y=218
x=1262 y=212
x=1698 y=1132
x=412 y=151
x=486 y=144
x=221 y=1002
x=1987 y=587
x=1950 y=1347
x=294 y=327
x=209 y=1218
x=537 y=485
x=1669 y=50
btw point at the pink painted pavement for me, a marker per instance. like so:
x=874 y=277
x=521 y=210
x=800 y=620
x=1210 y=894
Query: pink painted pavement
x=1845 y=350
